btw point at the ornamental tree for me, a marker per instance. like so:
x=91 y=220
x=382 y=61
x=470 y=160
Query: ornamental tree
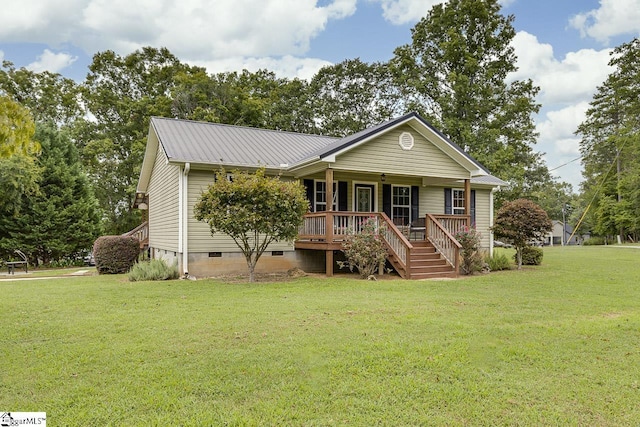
x=519 y=222
x=254 y=210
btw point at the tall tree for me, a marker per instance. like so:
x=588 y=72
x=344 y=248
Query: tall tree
x=64 y=219
x=16 y=129
x=48 y=96
x=257 y=99
x=455 y=71
x=121 y=94
x=353 y=95
x=610 y=147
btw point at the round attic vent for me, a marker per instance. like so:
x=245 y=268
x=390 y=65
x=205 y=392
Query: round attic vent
x=406 y=141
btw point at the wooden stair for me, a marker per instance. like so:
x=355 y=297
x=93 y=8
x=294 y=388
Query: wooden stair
x=427 y=263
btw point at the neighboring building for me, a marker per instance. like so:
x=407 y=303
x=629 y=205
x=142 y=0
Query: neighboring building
x=403 y=168
x=562 y=234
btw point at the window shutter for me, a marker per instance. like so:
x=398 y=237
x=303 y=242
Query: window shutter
x=472 y=209
x=308 y=183
x=447 y=202
x=415 y=194
x=342 y=195
x=386 y=199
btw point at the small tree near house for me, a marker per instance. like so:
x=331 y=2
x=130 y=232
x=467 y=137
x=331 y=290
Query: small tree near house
x=254 y=210
x=520 y=222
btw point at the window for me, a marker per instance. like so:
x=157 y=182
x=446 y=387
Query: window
x=321 y=196
x=401 y=205
x=457 y=202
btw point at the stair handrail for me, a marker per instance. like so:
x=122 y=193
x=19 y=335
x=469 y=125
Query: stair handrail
x=141 y=232
x=397 y=243
x=444 y=242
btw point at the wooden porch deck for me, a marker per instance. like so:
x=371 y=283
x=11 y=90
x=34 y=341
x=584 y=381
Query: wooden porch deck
x=436 y=255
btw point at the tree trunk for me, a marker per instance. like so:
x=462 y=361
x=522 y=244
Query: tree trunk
x=519 y=257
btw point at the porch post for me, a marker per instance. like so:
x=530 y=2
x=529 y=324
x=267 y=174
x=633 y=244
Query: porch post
x=467 y=200
x=329 y=224
x=329 y=180
x=329 y=263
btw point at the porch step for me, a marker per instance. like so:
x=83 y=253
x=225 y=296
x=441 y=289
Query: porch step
x=427 y=263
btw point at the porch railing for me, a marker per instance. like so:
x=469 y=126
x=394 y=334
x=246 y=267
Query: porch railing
x=141 y=233
x=439 y=233
x=338 y=226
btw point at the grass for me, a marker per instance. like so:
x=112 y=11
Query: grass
x=557 y=344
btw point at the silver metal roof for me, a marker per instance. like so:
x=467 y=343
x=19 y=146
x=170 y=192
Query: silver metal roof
x=212 y=143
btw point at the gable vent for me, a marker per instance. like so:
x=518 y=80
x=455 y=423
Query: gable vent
x=406 y=141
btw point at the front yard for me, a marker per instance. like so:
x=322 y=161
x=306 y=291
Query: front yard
x=557 y=344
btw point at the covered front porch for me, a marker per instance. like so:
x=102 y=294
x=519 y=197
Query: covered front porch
x=420 y=244
x=410 y=249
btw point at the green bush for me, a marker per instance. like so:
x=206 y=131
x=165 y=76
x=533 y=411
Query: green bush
x=498 y=262
x=115 y=254
x=155 y=269
x=469 y=238
x=592 y=241
x=365 y=251
x=531 y=255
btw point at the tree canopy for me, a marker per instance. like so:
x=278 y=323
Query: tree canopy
x=610 y=148
x=16 y=129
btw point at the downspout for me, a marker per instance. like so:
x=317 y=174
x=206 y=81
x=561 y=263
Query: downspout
x=185 y=219
x=490 y=220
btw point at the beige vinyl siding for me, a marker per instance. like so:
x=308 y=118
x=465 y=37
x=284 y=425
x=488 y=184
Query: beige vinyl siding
x=200 y=238
x=384 y=154
x=483 y=224
x=163 y=204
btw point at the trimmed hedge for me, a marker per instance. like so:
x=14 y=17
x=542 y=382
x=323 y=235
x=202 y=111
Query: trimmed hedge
x=115 y=254
x=531 y=255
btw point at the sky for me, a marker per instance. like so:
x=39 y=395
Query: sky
x=564 y=46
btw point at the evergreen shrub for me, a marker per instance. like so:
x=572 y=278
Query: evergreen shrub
x=498 y=262
x=115 y=254
x=531 y=255
x=155 y=269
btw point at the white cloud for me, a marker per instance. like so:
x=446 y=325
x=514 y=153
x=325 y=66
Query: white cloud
x=559 y=142
x=191 y=29
x=612 y=18
x=566 y=88
x=570 y=80
x=53 y=62
x=400 y=12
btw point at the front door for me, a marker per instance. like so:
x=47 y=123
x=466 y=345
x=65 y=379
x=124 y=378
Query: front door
x=364 y=198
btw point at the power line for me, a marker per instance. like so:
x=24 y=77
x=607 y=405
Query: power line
x=565 y=164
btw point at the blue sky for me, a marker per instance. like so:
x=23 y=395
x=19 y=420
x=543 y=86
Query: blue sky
x=562 y=45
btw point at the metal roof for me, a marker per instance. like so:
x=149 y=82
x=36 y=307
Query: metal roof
x=213 y=143
x=219 y=144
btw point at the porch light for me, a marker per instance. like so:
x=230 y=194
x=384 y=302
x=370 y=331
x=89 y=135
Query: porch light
x=383 y=177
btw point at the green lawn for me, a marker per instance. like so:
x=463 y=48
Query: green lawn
x=557 y=344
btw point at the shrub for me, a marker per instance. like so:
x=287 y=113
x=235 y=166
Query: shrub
x=469 y=238
x=115 y=254
x=155 y=269
x=366 y=250
x=530 y=256
x=498 y=262
x=592 y=241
